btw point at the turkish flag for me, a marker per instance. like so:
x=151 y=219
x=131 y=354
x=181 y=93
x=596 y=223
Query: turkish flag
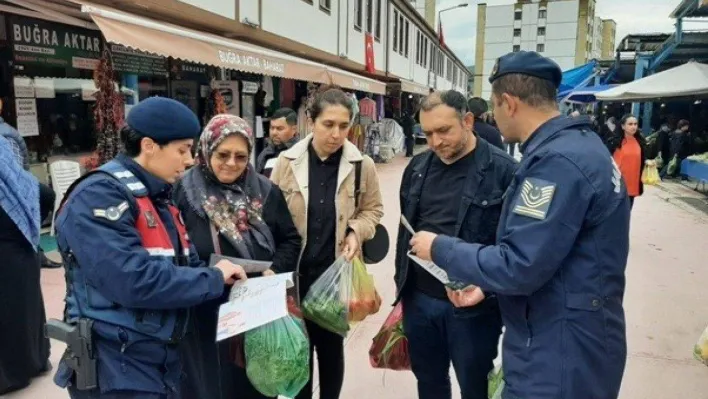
x=369 y=52
x=441 y=38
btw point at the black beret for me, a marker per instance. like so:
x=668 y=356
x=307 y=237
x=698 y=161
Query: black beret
x=163 y=120
x=527 y=63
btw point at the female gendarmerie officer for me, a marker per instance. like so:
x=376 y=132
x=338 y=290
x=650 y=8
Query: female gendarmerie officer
x=130 y=267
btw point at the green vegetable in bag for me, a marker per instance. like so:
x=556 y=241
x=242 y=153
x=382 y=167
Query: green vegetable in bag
x=278 y=357
x=327 y=301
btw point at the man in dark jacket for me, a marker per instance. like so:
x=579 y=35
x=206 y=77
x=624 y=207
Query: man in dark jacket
x=478 y=107
x=282 y=135
x=455 y=188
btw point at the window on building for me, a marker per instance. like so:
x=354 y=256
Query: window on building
x=541 y=31
x=358 y=14
x=407 y=38
x=540 y=48
x=369 y=16
x=516 y=48
x=377 y=31
x=401 y=26
x=326 y=5
x=395 y=31
x=417 y=47
x=541 y=14
x=425 y=52
x=517 y=32
x=517 y=15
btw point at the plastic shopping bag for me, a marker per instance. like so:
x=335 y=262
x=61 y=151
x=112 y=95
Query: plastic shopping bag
x=278 y=357
x=496 y=384
x=327 y=301
x=365 y=300
x=673 y=165
x=389 y=349
x=650 y=174
x=700 y=351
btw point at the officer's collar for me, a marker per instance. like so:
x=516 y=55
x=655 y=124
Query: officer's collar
x=156 y=187
x=549 y=128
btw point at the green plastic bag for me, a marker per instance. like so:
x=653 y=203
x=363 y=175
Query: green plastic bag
x=278 y=357
x=673 y=164
x=496 y=384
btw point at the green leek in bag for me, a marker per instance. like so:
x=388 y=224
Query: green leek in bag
x=278 y=357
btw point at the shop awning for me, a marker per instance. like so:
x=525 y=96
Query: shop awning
x=185 y=44
x=413 y=87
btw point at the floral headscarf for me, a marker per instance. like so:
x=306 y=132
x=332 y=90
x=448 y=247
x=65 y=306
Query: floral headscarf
x=234 y=209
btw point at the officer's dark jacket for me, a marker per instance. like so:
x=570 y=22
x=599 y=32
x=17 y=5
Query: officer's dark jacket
x=615 y=142
x=480 y=206
x=557 y=268
x=113 y=271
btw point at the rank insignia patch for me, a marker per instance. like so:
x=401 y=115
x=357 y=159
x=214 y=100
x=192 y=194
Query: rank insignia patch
x=112 y=213
x=534 y=198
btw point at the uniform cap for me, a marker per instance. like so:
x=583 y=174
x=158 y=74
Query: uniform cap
x=163 y=120
x=527 y=63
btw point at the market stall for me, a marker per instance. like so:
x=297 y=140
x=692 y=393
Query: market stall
x=696 y=168
x=687 y=80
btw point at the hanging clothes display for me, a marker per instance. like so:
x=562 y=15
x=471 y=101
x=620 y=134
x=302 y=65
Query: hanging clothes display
x=355 y=108
x=302 y=118
x=367 y=111
x=287 y=93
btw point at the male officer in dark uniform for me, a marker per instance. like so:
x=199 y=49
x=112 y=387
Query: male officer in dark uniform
x=130 y=268
x=559 y=262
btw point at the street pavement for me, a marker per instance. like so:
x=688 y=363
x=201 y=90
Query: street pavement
x=665 y=304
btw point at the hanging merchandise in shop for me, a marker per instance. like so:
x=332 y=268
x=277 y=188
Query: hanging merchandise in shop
x=109 y=111
x=38 y=42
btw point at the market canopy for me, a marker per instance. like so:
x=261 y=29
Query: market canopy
x=687 y=80
x=169 y=40
x=586 y=95
x=577 y=77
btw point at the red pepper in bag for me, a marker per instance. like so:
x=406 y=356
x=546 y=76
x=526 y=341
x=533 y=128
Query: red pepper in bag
x=389 y=349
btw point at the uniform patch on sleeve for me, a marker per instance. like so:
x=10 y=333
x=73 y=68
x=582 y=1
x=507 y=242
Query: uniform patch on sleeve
x=534 y=198
x=112 y=213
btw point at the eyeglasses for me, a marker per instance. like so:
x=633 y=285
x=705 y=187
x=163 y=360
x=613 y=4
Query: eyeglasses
x=225 y=156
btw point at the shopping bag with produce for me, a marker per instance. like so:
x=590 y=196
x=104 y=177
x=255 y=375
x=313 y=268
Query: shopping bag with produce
x=700 y=351
x=365 y=300
x=327 y=301
x=389 y=349
x=673 y=165
x=278 y=357
x=650 y=175
x=495 y=386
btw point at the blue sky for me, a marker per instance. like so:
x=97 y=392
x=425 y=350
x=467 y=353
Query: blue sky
x=459 y=26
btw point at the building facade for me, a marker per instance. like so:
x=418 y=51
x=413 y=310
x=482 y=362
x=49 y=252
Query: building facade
x=567 y=31
x=405 y=45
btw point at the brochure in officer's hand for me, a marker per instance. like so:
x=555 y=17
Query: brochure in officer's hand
x=249 y=265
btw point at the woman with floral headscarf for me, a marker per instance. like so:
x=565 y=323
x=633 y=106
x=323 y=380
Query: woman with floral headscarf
x=231 y=210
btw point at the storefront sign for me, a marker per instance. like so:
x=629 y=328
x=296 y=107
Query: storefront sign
x=250 y=87
x=361 y=85
x=229 y=92
x=24 y=87
x=182 y=70
x=140 y=63
x=240 y=60
x=27 y=123
x=411 y=87
x=44 y=88
x=36 y=41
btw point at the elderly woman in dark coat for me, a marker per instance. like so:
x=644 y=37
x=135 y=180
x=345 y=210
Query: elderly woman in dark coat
x=229 y=209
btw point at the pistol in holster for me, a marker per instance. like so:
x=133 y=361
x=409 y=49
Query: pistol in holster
x=80 y=354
